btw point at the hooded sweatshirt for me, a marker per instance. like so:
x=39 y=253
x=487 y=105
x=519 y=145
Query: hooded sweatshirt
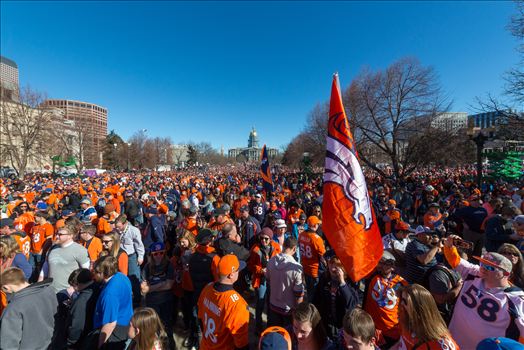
x=284 y=274
x=25 y=326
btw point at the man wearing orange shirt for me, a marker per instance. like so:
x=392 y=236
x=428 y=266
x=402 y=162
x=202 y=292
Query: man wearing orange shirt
x=433 y=217
x=222 y=312
x=312 y=250
x=381 y=299
x=41 y=234
x=90 y=242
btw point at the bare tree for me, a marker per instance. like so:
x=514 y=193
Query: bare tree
x=385 y=107
x=23 y=126
x=515 y=77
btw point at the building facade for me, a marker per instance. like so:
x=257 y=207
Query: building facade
x=10 y=85
x=252 y=151
x=90 y=121
x=450 y=121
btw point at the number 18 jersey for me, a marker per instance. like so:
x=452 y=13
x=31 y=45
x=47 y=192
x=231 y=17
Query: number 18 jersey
x=224 y=317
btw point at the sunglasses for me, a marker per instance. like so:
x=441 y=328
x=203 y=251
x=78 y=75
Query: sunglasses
x=107 y=241
x=63 y=234
x=265 y=238
x=159 y=253
x=489 y=267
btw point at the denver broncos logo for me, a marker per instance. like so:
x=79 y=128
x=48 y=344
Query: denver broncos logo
x=342 y=168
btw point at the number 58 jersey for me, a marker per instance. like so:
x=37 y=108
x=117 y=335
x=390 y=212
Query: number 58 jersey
x=482 y=312
x=224 y=318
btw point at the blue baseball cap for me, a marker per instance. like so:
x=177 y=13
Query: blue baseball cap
x=157 y=246
x=499 y=343
x=275 y=338
x=41 y=206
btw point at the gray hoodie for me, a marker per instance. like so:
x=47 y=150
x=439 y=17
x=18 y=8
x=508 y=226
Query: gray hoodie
x=285 y=280
x=28 y=320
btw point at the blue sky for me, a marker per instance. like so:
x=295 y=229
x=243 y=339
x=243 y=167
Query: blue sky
x=209 y=71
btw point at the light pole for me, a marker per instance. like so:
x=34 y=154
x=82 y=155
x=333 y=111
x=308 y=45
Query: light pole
x=114 y=156
x=128 y=147
x=479 y=137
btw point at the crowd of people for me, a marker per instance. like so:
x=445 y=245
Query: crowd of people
x=128 y=260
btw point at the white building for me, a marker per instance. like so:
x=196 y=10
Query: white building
x=9 y=82
x=180 y=156
x=450 y=121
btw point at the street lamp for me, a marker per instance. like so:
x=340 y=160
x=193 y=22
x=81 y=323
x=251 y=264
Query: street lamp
x=128 y=147
x=114 y=156
x=479 y=137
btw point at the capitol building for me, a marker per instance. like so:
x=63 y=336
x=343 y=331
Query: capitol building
x=252 y=151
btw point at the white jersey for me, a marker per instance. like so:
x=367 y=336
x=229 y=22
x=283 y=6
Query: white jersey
x=482 y=312
x=389 y=241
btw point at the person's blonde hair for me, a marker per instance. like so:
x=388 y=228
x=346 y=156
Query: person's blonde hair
x=190 y=238
x=115 y=248
x=151 y=329
x=419 y=314
x=8 y=247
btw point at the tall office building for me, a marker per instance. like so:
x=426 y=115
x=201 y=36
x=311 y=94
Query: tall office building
x=9 y=82
x=91 y=121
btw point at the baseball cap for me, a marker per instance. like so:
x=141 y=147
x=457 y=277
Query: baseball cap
x=67 y=212
x=226 y=207
x=258 y=195
x=85 y=201
x=157 y=246
x=228 y=264
x=280 y=223
x=403 y=226
x=421 y=229
x=499 y=343
x=302 y=216
x=41 y=205
x=392 y=202
x=519 y=219
x=244 y=208
x=205 y=236
x=434 y=205
x=496 y=260
x=7 y=222
x=274 y=338
x=429 y=188
x=313 y=220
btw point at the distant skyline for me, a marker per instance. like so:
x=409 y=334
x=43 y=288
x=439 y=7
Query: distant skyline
x=210 y=71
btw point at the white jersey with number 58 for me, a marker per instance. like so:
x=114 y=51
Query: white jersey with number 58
x=482 y=312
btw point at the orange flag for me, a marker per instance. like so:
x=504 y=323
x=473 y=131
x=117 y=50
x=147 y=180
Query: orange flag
x=348 y=220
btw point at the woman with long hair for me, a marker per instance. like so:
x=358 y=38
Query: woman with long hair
x=514 y=255
x=308 y=332
x=182 y=282
x=422 y=326
x=111 y=246
x=146 y=330
x=263 y=250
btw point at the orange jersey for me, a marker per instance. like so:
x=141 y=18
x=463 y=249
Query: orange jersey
x=103 y=227
x=24 y=242
x=224 y=316
x=25 y=222
x=191 y=225
x=382 y=303
x=94 y=247
x=311 y=249
x=39 y=234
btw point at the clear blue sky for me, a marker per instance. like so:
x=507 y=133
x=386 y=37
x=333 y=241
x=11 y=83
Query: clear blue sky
x=208 y=71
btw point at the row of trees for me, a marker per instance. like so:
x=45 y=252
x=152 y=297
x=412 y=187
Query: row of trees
x=391 y=112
